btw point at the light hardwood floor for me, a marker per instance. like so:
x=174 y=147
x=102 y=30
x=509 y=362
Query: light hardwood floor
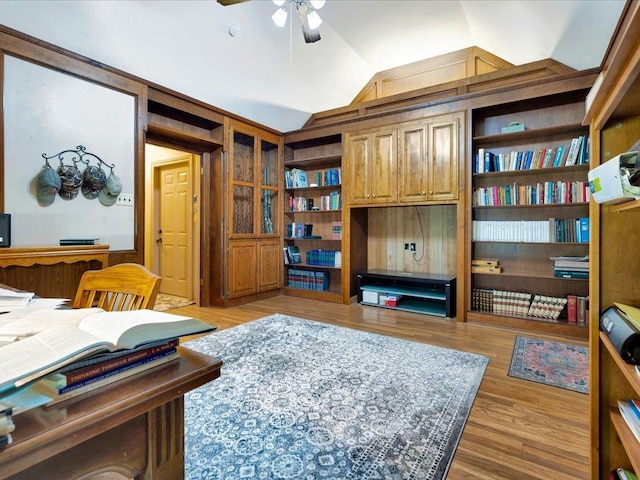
x=517 y=429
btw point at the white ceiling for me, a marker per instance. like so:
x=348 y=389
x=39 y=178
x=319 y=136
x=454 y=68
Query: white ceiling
x=271 y=76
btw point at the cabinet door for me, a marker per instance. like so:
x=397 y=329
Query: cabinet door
x=413 y=163
x=270 y=173
x=383 y=167
x=242 y=203
x=242 y=268
x=269 y=265
x=443 y=158
x=358 y=151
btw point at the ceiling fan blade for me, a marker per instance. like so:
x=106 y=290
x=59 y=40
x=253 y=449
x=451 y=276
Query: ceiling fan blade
x=226 y=3
x=310 y=35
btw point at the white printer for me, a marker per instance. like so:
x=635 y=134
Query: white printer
x=617 y=180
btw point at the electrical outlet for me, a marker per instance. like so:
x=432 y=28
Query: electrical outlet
x=412 y=247
x=125 y=199
x=406 y=246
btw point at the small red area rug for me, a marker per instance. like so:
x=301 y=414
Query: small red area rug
x=552 y=363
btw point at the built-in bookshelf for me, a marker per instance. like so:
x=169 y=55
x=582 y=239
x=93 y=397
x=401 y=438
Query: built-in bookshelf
x=313 y=220
x=529 y=205
x=613 y=113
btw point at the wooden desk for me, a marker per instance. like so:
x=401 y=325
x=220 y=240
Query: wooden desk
x=131 y=429
x=50 y=271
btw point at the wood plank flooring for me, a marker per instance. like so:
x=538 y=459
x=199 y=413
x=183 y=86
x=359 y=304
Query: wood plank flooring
x=517 y=429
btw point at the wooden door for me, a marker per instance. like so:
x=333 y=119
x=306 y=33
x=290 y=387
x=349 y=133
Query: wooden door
x=175 y=228
x=242 y=268
x=444 y=157
x=412 y=147
x=269 y=265
x=358 y=150
x=383 y=168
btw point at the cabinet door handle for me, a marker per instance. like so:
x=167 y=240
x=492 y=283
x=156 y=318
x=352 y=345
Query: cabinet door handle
x=424 y=193
x=374 y=195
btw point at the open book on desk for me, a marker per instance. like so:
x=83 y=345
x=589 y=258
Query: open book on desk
x=37 y=355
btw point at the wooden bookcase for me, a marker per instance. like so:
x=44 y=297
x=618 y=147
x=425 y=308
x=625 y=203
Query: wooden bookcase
x=318 y=203
x=613 y=113
x=525 y=259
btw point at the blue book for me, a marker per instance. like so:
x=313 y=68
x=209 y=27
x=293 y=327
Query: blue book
x=557 y=162
x=584 y=229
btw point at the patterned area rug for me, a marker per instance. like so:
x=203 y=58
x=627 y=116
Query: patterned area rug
x=299 y=399
x=167 y=302
x=552 y=363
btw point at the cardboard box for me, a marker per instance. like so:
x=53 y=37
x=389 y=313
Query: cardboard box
x=369 y=296
x=389 y=300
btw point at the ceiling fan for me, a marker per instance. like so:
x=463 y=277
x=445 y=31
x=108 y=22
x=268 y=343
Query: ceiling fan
x=307 y=15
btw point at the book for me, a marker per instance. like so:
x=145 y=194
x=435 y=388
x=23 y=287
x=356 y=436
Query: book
x=622 y=474
x=564 y=273
x=100 y=364
x=79 y=241
x=56 y=384
x=95 y=383
x=572 y=308
x=630 y=418
x=56 y=346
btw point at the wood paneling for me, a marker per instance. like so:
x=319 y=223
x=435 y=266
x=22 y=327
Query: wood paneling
x=431 y=228
x=516 y=429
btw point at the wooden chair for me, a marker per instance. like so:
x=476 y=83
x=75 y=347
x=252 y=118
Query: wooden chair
x=126 y=286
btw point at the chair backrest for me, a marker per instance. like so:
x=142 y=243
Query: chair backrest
x=126 y=286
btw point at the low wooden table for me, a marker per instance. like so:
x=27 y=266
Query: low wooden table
x=133 y=428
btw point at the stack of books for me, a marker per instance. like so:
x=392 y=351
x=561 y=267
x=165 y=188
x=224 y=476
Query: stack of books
x=292 y=255
x=571 y=267
x=82 y=349
x=6 y=425
x=485 y=265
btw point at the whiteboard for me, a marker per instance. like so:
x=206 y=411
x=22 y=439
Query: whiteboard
x=46 y=111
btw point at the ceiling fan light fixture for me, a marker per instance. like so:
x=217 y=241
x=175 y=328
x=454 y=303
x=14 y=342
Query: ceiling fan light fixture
x=280 y=17
x=317 y=4
x=279 y=3
x=314 y=20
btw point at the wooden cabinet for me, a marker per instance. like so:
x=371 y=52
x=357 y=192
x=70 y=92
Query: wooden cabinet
x=429 y=159
x=254 y=211
x=525 y=211
x=414 y=162
x=613 y=114
x=373 y=169
x=313 y=219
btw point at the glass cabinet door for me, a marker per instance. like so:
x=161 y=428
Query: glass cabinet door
x=269 y=187
x=243 y=183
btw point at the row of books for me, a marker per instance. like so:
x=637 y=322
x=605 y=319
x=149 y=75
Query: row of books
x=297 y=178
x=542 y=193
x=307 y=280
x=324 y=258
x=336 y=230
x=533 y=231
x=520 y=304
x=300 y=230
x=576 y=153
x=578 y=309
x=630 y=412
x=333 y=201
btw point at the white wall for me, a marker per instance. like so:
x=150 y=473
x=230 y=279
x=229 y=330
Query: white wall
x=46 y=111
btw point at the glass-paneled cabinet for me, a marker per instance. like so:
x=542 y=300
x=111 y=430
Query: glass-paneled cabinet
x=255 y=252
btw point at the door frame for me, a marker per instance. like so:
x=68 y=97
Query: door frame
x=152 y=211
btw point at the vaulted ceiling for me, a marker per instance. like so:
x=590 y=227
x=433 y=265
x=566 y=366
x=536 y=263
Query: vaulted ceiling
x=269 y=75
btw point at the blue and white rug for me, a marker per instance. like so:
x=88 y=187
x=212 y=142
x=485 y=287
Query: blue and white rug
x=299 y=399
